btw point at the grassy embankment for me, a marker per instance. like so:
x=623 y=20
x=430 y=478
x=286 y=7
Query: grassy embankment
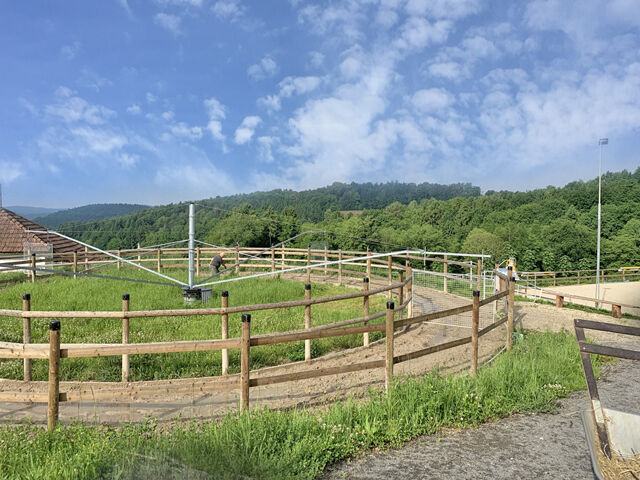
x=298 y=444
x=64 y=293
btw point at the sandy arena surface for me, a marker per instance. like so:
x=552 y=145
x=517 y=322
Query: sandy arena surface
x=623 y=292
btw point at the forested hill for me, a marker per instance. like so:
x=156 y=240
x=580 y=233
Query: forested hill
x=85 y=213
x=545 y=229
x=311 y=205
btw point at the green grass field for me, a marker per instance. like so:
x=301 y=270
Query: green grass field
x=264 y=444
x=65 y=293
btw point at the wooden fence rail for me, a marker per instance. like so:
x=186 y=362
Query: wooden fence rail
x=54 y=351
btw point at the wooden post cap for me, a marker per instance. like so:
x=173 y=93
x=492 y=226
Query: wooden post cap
x=125 y=296
x=246 y=317
x=26 y=296
x=54 y=325
x=476 y=293
x=365 y=279
x=225 y=293
x=307 y=286
x=391 y=305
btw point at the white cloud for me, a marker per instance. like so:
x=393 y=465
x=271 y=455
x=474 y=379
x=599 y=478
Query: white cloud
x=298 y=85
x=588 y=23
x=271 y=103
x=265 y=148
x=432 y=99
x=450 y=70
x=70 y=51
x=417 y=33
x=182 y=130
x=289 y=86
x=168 y=115
x=10 y=171
x=90 y=79
x=71 y=108
x=125 y=4
x=316 y=59
x=245 y=131
x=134 y=109
x=151 y=98
x=265 y=68
x=345 y=19
x=452 y=9
x=228 y=9
x=99 y=140
x=171 y=23
x=179 y=3
x=128 y=160
x=216 y=112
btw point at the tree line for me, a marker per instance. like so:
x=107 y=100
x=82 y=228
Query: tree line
x=545 y=229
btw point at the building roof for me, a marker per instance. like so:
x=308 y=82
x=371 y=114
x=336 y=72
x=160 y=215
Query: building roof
x=13 y=235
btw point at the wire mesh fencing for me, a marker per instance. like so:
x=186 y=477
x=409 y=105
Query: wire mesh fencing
x=437 y=291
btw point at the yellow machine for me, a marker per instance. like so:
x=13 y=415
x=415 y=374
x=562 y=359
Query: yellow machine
x=511 y=262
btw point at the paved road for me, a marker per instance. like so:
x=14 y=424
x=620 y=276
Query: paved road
x=543 y=446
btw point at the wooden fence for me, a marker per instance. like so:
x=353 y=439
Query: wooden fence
x=243 y=259
x=54 y=351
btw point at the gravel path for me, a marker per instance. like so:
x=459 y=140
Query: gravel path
x=538 y=446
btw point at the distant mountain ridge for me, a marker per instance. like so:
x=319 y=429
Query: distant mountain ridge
x=31 y=213
x=87 y=213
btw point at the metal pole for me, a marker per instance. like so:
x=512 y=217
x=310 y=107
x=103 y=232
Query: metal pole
x=601 y=142
x=192 y=233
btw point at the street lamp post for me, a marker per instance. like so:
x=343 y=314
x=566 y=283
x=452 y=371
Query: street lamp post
x=601 y=142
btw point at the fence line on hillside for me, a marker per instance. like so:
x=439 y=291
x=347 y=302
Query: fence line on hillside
x=54 y=351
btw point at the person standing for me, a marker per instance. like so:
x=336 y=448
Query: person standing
x=217 y=262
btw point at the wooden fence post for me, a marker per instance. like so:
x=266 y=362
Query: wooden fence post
x=368 y=264
x=510 y=310
x=326 y=259
x=445 y=269
x=340 y=266
x=33 y=266
x=159 y=261
x=282 y=257
x=365 y=310
x=390 y=274
x=225 y=331
x=388 y=377
x=237 y=259
x=125 y=337
x=119 y=263
x=401 y=295
x=75 y=265
x=616 y=311
x=54 y=375
x=554 y=279
x=86 y=258
x=26 y=333
x=559 y=301
x=139 y=256
x=273 y=259
x=307 y=321
x=308 y=263
x=409 y=288
x=579 y=276
x=475 y=325
x=244 y=361
x=197 y=261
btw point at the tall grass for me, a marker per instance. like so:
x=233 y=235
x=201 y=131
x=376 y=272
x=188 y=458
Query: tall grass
x=63 y=293
x=299 y=444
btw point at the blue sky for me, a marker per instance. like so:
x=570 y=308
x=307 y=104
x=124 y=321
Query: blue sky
x=158 y=101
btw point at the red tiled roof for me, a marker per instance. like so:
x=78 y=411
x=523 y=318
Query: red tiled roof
x=13 y=234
